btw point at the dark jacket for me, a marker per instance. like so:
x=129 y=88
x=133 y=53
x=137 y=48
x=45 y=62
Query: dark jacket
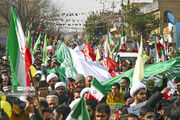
x=64 y=99
x=150 y=103
x=153 y=100
x=164 y=84
x=175 y=99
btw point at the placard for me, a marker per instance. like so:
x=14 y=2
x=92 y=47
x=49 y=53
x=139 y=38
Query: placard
x=114 y=110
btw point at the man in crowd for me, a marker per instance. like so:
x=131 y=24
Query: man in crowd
x=1 y=84
x=18 y=110
x=63 y=98
x=85 y=92
x=77 y=93
x=128 y=98
x=52 y=101
x=52 y=79
x=91 y=106
x=71 y=86
x=161 y=109
x=147 y=113
x=61 y=112
x=5 y=81
x=43 y=66
x=80 y=81
x=138 y=92
x=129 y=116
x=125 y=82
x=89 y=80
x=102 y=111
x=151 y=89
x=47 y=114
x=115 y=96
x=43 y=89
x=175 y=98
x=38 y=74
x=54 y=63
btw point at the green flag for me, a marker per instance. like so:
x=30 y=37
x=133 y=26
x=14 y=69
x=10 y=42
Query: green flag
x=45 y=50
x=118 y=45
x=64 y=57
x=36 y=44
x=79 y=112
x=86 y=40
x=152 y=71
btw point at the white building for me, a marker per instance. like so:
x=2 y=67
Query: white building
x=75 y=12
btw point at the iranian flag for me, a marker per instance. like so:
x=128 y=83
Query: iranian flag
x=97 y=91
x=73 y=61
x=163 y=49
x=20 y=56
x=127 y=61
x=157 y=59
x=79 y=112
x=123 y=39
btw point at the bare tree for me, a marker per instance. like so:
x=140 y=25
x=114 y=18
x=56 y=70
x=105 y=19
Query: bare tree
x=34 y=14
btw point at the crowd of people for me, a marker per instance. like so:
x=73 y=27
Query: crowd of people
x=54 y=100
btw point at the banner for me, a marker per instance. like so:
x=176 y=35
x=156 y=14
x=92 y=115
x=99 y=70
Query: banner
x=172 y=67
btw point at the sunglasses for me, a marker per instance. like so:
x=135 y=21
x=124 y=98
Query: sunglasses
x=60 y=89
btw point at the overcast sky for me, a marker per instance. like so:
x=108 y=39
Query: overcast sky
x=78 y=4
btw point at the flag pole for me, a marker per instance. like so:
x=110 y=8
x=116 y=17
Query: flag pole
x=36 y=94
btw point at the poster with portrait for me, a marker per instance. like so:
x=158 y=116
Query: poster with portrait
x=114 y=110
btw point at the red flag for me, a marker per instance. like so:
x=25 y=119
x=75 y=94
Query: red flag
x=39 y=31
x=88 y=52
x=111 y=64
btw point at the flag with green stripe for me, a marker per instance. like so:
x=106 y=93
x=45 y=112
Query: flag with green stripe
x=79 y=112
x=45 y=51
x=20 y=56
x=97 y=91
x=36 y=44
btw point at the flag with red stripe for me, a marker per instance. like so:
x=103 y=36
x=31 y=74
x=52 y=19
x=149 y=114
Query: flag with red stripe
x=20 y=56
x=97 y=91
